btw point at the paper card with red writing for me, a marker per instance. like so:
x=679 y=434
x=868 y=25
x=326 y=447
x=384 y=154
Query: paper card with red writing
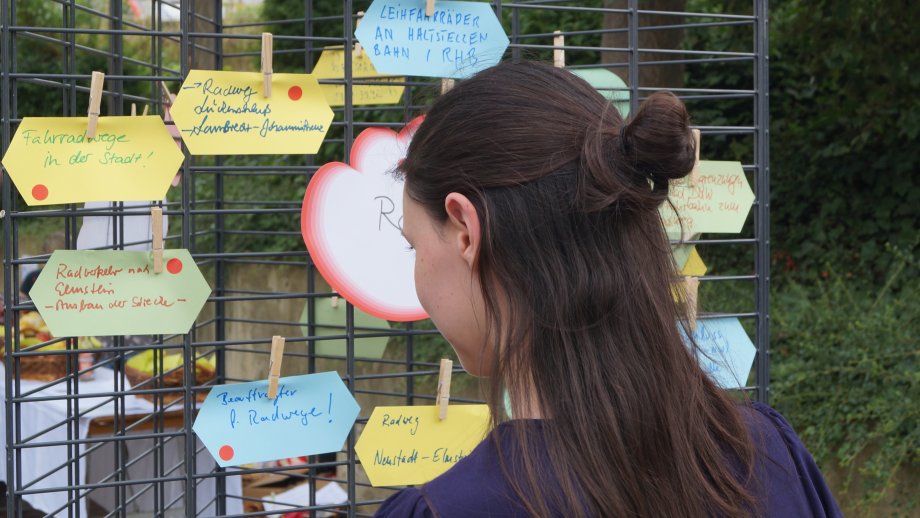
x=114 y=292
x=717 y=202
x=351 y=222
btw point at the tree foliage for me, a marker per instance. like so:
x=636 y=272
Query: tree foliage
x=846 y=121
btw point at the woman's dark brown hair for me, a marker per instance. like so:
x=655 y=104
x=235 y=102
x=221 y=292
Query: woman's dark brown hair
x=577 y=277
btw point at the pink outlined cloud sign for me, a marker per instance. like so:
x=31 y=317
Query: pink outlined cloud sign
x=351 y=221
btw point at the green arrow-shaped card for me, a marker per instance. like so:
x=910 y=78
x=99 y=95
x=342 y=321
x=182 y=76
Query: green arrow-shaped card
x=330 y=320
x=718 y=201
x=114 y=292
x=608 y=84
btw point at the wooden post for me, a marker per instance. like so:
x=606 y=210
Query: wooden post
x=156 y=229
x=692 y=287
x=695 y=172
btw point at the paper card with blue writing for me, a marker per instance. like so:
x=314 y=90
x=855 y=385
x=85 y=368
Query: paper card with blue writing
x=718 y=201
x=608 y=84
x=351 y=222
x=382 y=90
x=227 y=113
x=410 y=445
x=726 y=352
x=458 y=40
x=116 y=292
x=329 y=319
x=312 y=414
x=51 y=160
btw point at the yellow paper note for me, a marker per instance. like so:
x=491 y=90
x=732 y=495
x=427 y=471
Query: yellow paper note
x=694 y=266
x=331 y=65
x=51 y=160
x=226 y=113
x=404 y=445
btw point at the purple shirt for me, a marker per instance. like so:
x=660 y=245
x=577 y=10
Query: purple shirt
x=791 y=484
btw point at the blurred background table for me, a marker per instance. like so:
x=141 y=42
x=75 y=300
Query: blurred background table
x=47 y=423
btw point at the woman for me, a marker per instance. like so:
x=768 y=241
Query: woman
x=541 y=257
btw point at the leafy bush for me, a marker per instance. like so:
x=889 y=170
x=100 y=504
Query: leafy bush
x=846 y=372
x=845 y=127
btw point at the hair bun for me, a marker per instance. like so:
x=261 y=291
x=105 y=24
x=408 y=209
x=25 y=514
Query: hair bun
x=625 y=157
x=658 y=140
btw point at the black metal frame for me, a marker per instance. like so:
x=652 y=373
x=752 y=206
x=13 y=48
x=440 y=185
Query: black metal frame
x=190 y=210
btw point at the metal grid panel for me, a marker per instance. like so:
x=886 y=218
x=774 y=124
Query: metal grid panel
x=221 y=223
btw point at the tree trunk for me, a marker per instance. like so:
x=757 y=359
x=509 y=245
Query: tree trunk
x=659 y=76
x=203 y=51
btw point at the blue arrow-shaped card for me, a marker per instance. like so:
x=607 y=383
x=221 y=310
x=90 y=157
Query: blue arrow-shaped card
x=725 y=351
x=312 y=414
x=457 y=40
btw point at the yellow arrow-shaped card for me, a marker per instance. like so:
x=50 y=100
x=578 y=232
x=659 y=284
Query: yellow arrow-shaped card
x=404 y=445
x=331 y=65
x=52 y=161
x=227 y=113
x=694 y=267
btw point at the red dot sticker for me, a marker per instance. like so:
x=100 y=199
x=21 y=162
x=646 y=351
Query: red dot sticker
x=174 y=266
x=295 y=93
x=40 y=192
x=226 y=452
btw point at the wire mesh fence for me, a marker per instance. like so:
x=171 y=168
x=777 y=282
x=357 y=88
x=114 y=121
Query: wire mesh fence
x=89 y=435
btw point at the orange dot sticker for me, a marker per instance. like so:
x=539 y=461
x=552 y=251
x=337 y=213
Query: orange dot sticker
x=40 y=192
x=226 y=452
x=174 y=266
x=295 y=92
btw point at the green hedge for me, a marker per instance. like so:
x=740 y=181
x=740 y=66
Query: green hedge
x=846 y=372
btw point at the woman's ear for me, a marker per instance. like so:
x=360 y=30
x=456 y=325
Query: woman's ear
x=463 y=227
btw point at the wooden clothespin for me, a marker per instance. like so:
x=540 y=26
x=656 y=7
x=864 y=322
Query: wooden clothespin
x=134 y=110
x=267 y=64
x=446 y=85
x=334 y=302
x=167 y=95
x=156 y=229
x=695 y=172
x=558 y=49
x=443 y=397
x=95 y=103
x=429 y=8
x=274 y=366
x=358 y=43
x=692 y=288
